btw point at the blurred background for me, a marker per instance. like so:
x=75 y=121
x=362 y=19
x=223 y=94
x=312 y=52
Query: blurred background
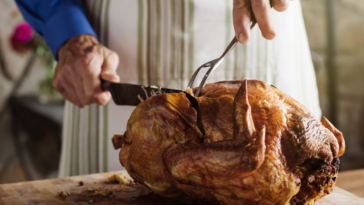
x=31 y=111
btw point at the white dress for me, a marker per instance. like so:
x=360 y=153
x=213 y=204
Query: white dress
x=162 y=43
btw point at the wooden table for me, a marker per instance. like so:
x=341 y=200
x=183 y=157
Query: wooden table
x=352 y=181
x=46 y=192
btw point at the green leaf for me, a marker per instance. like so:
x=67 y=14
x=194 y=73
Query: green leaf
x=40 y=50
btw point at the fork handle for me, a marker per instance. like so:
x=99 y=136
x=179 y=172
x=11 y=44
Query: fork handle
x=227 y=50
x=253 y=21
x=230 y=47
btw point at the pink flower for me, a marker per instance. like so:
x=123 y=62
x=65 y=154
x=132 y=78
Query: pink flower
x=23 y=33
x=22 y=38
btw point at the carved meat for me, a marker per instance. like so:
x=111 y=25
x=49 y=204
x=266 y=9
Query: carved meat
x=240 y=142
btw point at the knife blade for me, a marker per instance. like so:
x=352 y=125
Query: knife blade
x=130 y=94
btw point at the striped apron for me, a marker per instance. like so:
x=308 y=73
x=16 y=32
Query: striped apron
x=162 y=43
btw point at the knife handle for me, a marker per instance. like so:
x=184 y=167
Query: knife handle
x=105 y=85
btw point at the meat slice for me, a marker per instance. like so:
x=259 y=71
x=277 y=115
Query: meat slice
x=243 y=142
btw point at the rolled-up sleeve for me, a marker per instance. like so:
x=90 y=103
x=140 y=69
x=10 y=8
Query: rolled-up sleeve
x=56 y=20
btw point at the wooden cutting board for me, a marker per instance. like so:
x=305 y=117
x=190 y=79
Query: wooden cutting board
x=96 y=190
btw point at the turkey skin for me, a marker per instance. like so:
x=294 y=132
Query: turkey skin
x=239 y=142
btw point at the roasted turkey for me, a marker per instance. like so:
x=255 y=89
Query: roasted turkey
x=240 y=142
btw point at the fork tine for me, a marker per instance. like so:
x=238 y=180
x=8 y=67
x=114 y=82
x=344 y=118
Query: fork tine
x=193 y=78
x=214 y=63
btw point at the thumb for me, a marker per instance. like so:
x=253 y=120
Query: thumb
x=109 y=66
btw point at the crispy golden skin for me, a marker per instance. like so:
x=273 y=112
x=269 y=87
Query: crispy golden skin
x=244 y=142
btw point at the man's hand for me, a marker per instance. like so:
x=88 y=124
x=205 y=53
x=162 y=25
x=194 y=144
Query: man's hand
x=263 y=15
x=82 y=62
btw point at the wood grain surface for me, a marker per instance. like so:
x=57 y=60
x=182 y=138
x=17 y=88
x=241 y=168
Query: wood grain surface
x=352 y=181
x=96 y=190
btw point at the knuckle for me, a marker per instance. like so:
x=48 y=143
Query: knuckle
x=89 y=102
x=92 y=95
x=114 y=55
x=84 y=101
x=110 y=54
x=102 y=101
x=78 y=102
x=86 y=59
x=80 y=106
x=83 y=104
x=89 y=56
x=258 y=4
x=96 y=48
x=114 y=59
x=64 y=70
x=239 y=4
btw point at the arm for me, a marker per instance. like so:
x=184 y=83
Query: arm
x=82 y=60
x=263 y=15
x=56 y=20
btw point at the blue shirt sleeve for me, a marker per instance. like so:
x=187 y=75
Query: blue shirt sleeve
x=56 y=20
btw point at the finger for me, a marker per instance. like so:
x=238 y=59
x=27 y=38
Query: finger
x=66 y=91
x=72 y=83
x=79 y=91
x=61 y=90
x=74 y=91
x=280 y=5
x=241 y=20
x=94 y=92
x=109 y=66
x=90 y=74
x=262 y=11
x=59 y=84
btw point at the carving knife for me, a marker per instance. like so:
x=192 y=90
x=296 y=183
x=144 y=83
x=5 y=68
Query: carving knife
x=130 y=94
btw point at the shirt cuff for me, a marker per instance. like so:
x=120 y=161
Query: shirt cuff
x=63 y=25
